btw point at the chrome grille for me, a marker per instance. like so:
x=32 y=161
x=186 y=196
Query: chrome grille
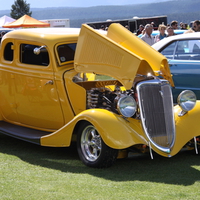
x=156 y=110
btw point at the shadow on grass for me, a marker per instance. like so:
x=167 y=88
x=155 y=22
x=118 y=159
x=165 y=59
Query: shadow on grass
x=179 y=169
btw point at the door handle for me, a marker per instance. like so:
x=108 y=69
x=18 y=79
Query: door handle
x=171 y=65
x=49 y=82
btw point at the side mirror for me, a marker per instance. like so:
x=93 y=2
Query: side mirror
x=38 y=50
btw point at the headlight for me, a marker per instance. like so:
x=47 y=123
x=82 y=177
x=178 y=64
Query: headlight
x=127 y=106
x=187 y=100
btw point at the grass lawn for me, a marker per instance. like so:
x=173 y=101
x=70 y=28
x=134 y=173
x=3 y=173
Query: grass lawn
x=31 y=172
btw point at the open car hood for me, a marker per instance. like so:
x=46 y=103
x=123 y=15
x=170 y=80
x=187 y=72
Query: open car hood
x=118 y=53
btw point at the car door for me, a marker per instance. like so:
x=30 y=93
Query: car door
x=36 y=93
x=35 y=101
x=184 y=61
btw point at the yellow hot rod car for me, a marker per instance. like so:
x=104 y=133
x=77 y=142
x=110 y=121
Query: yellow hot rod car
x=107 y=90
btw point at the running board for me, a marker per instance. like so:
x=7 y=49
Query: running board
x=23 y=133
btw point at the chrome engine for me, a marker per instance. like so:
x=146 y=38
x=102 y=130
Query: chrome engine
x=105 y=98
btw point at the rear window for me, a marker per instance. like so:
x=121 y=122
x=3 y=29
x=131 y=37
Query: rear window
x=8 y=52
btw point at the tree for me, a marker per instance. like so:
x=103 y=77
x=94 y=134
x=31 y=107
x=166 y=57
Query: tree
x=19 y=9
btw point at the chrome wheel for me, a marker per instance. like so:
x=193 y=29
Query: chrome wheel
x=91 y=143
x=91 y=148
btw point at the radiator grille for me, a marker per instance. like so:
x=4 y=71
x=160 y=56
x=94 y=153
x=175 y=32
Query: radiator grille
x=156 y=109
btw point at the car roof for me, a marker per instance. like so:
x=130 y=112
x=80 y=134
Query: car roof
x=5 y=30
x=44 y=35
x=167 y=40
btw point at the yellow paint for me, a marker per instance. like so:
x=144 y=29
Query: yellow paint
x=140 y=48
x=115 y=131
x=28 y=98
x=119 y=54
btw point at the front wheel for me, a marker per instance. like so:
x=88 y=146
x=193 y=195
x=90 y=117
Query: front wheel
x=92 y=150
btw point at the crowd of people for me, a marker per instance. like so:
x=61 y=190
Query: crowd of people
x=165 y=31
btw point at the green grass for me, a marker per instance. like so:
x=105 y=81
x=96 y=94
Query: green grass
x=31 y=172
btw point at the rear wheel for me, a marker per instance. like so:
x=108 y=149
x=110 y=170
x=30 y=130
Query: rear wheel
x=92 y=150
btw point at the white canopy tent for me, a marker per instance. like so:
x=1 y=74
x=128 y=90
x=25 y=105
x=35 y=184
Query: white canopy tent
x=5 y=20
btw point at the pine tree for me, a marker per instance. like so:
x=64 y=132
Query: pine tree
x=19 y=9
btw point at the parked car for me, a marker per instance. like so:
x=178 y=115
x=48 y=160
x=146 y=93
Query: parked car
x=5 y=30
x=183 y=54
x=100 y=89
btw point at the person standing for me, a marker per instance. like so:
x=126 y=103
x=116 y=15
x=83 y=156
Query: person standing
x=153 y=25
x=170 y=31
x=174 y=25
x=162 y=34
x=196 y=26
x=139 y=31
x=147 y=37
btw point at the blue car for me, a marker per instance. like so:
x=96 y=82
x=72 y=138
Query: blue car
x=183 y=54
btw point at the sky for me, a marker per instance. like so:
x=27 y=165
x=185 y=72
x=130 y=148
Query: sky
x=6 y=4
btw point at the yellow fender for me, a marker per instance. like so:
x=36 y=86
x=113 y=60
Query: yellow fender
x=187 y=127
x=115 y=131
x=119 y=133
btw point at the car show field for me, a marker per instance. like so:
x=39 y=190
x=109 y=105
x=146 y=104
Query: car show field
x=30 y=171
x=51 y=96
x=91 y=109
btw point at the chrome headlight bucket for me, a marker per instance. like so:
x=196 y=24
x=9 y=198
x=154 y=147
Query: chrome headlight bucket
x=186 y=100
x=127 y=106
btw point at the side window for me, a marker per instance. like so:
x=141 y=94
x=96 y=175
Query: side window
x=28 y=56
x=8 y=52
x=194 y=47
x=188 y=50
x=182 y=51
x=66 y=52
x=168 y=51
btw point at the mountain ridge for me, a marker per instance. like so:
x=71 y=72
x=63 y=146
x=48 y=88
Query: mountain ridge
x=180 y=10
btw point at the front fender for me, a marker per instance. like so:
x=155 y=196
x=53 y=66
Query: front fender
x=115 y=131
x=187 y=127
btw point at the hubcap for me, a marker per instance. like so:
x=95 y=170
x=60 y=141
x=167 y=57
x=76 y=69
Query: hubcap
x=91 y=143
